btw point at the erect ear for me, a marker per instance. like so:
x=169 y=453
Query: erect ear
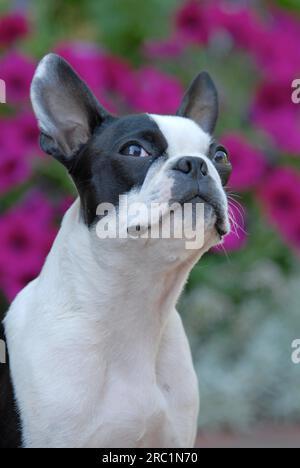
x=200 y=103
x=67 y=111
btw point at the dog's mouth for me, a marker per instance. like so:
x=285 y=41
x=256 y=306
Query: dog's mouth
x=221 y=224
x=213 y=212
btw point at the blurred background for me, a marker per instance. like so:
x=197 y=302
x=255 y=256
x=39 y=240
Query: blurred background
x=241 y=307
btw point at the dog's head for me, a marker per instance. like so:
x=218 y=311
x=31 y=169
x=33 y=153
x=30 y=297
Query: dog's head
x=157 y=158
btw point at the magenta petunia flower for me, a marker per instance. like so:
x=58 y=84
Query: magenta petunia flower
x=193 y=22
x=274 y=111
x=237 y=239
x=8 y=137
x=272 y=96
x=12 y=27
x=27 y=133
x=26 y=235
x=280 y=197
x=240 y=22
x=120 y=77
x=197 y=21
x=249 y=164
x=88 y=61
x=64 y=206
x=18 y=143
x=277 y=59
x=156 y=92
x=37 y=206
x=15 y=276
x=280 y=62
x=283 y=126
x=17 y=71
x=14 y=170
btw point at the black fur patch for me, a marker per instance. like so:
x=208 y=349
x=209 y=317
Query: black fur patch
x=101 y=173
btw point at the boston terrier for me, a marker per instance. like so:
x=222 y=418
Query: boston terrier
x=98 y=354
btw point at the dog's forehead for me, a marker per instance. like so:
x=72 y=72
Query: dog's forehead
x=184 y=136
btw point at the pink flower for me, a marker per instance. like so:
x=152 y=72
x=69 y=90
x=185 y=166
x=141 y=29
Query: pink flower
x=244 y=26
x=14 y=279
x=92 y=66
x=18 y=143
x=237 y=239
x=26 y=235
x=37 y=206
x=277 y=58
x=15 y=166
x=249 y=164
x=156 y=92
x=274 y=112
x=193 y=22
x=272 y=96
x=280 y=196
x=27 y=133
x=197 y=21
x=8 y=137
x=64 y=206
x=119 y=75
x=17 y=71
x=12 y=27
x=283 y=126
x=14 y=170
x=88 y=61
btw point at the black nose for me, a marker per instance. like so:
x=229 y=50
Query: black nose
x=194 y=166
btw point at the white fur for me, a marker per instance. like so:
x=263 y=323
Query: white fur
x=183 y=135
x=98 y=354
x=186 y=138
x=42 y=72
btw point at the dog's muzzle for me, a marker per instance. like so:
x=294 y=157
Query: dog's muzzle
x=194 y=184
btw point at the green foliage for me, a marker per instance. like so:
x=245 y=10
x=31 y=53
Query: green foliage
x=119 y=25
x=293 y=5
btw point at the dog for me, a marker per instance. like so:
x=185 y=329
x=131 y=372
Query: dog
x=98 y=354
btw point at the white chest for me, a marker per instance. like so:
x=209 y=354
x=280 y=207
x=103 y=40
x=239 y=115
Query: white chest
x=91 y=368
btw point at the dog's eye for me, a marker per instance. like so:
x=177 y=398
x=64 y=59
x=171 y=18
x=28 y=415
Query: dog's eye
x=221 y=156
x=134 y=150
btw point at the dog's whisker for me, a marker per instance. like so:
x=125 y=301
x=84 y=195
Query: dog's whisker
x=237 y=205
x=225 y=253
x=235 y=226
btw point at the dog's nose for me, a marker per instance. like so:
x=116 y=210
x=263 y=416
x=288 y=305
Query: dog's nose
x=193 y=166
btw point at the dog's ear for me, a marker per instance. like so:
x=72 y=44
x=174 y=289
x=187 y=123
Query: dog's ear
x=67 y=111
x=200 y=103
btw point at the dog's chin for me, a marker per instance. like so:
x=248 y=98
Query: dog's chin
x=215 y=217
x=215 y=226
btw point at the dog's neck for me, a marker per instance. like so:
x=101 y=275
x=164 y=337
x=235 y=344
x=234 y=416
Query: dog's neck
x=124 y=292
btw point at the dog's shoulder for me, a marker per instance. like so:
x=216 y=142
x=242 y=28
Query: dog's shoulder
x=11 y=325
x=10 y=436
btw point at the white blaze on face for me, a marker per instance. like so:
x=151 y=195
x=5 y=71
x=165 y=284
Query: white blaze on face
x=186 y=138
